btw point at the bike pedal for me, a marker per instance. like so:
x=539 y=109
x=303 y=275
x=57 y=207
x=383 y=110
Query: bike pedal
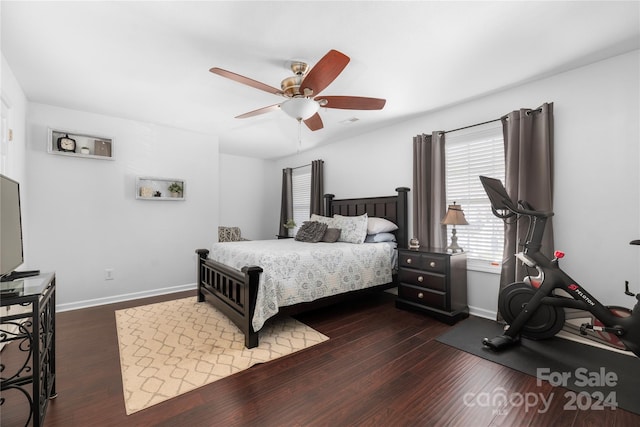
x=584 y=327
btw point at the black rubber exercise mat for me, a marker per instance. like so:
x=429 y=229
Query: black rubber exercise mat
x=575 y=366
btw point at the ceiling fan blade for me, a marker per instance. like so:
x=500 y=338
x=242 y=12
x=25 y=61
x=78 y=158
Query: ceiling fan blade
x=324 y=72
x=246 y=80
x=259 y=111
x=352 y=102
x=314 y=122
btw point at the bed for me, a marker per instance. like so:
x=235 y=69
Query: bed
x=236 y=285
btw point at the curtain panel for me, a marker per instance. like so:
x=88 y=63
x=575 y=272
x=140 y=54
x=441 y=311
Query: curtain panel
x=286 y=205
x=528 y=147
x=429 y=200
x=317 y=187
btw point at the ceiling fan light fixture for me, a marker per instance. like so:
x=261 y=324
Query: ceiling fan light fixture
x=300 y=108
x=302 y=89
x=291 y=86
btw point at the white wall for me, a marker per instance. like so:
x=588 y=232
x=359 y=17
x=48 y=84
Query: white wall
x=596 y=169
x=242 y=187
x=13 y=153
x=14 y=103
x=84 y=218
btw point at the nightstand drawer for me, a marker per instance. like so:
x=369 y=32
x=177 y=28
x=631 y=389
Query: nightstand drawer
x=427 y=262
x=437 y=282
x=423 y=296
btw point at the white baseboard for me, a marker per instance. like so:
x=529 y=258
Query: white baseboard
x=481 y=312
x=124 y=297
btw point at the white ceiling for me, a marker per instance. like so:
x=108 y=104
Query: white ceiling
x=149 y=61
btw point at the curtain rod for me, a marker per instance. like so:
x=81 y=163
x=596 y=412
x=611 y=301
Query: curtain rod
x=490 y=121
x=472 y=126
x=301 y=166
x=304 y=166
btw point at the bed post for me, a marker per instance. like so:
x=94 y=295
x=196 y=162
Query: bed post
x=252 y=279
x=328 y=200
x=403 y=208
x=202 y=256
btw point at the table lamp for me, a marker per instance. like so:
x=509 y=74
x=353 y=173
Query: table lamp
x=454 y=217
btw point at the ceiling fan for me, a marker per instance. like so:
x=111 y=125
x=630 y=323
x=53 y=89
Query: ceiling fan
x=303 y=88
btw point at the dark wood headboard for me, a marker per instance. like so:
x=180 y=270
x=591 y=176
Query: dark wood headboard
x=393 y=208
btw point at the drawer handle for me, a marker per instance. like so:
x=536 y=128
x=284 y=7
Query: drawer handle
x=420 y=279
x=420 y=295
x=432 y=264
x=408 y=260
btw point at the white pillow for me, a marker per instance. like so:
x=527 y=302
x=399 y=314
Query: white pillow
x=380 y=237
x=380 y=225
x=353 y=228
x=323 y=219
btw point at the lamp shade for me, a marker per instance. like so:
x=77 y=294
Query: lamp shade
x=300 y=108
x=454 y=216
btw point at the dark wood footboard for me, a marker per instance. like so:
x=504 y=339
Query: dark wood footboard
x=231 y=291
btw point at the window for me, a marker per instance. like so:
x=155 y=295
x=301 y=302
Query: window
x=470 y=153
x=301 y=183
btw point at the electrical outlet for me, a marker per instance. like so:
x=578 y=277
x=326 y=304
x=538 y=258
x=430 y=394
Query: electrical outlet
x=108 y=274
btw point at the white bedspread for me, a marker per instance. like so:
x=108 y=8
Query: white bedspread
x=295 y=272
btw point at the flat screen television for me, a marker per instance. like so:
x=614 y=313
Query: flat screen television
x=11 y=250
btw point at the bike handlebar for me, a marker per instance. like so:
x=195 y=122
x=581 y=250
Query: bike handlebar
x=528 y=210
x=500 y=201
x=508 y=206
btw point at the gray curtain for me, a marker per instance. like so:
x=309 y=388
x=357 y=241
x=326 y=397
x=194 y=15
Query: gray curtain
x=286 y=206
x=429 y=201
x=317 y=187
x=528 y=146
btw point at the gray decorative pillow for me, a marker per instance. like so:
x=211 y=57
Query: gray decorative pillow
x=311 y=231
x=331 y=235
x=353 y=228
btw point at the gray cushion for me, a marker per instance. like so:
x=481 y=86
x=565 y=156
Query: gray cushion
x=229 y=234
x=311 y=231
x=331 y=235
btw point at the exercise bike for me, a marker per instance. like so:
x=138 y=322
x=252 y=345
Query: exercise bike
x=535 y=307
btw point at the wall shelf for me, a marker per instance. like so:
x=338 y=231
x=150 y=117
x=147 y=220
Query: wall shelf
x=82 y=145
x=154 y=188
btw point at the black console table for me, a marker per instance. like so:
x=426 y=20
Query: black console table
x=27 y=329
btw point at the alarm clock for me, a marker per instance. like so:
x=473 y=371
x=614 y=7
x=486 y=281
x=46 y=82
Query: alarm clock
x=414 y=243
x=66 y=144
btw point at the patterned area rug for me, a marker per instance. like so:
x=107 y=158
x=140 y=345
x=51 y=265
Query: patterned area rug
x=173 y=347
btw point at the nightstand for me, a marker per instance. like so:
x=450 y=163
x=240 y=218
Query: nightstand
x=433 y=281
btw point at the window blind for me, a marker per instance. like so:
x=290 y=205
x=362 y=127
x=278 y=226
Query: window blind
x=301 y=183
x=469 y=154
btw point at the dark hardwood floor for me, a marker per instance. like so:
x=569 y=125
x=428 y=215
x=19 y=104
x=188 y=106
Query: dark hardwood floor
x=381 y=366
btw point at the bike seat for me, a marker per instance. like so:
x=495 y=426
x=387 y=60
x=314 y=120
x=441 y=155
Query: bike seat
x=634 y=242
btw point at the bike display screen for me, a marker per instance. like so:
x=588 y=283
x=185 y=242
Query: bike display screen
x=500 y=200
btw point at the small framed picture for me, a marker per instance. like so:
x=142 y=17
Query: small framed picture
x=102 y=148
